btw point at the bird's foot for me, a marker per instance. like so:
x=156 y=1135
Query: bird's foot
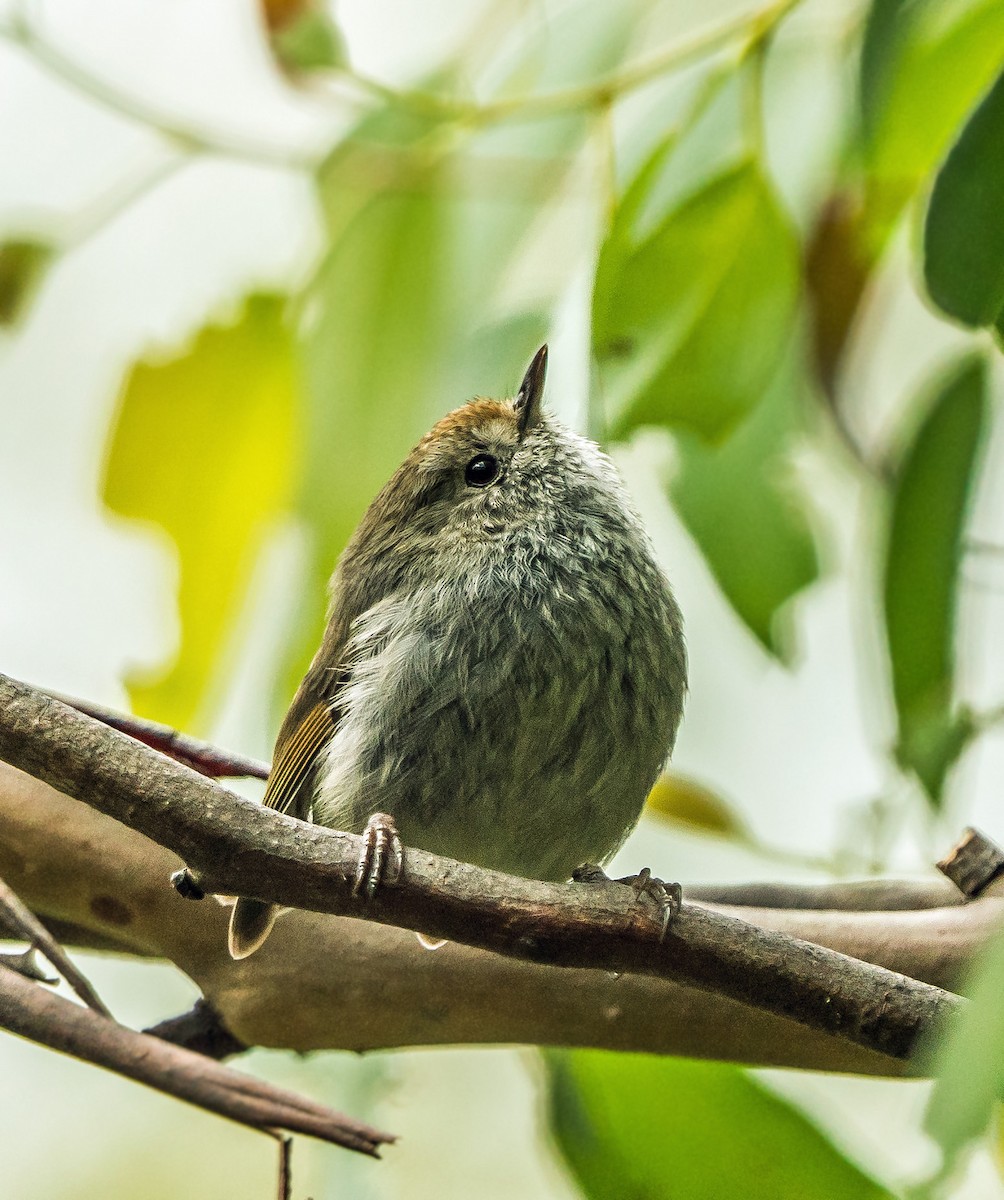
x=382 y=858
x=668 y=896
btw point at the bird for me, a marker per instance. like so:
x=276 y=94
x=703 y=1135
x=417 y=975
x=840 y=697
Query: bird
x=503 y=670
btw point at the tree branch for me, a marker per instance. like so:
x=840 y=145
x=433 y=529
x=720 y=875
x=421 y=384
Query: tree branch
x=860 y=895
x=30 y=1011
x=26 y=964
x=973 y=864
x=868 y=895
x=201 y=1030
x=238 y=847
x=364 y=986
x=22 y=922
x=201 y=756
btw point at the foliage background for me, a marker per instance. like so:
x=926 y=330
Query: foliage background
x=239 y=277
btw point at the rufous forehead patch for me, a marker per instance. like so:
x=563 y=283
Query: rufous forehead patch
x=487 y=423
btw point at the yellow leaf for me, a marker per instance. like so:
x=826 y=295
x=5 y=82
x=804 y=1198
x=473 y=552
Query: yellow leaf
x=203 y=446
x=684 y=801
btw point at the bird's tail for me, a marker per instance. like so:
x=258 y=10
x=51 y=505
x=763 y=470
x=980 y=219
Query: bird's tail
x=250 y=924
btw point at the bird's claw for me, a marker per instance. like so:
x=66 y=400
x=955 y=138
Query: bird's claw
x=668 y=896
x=382 y=858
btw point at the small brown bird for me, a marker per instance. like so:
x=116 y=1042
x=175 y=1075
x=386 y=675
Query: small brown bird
x=503 y=670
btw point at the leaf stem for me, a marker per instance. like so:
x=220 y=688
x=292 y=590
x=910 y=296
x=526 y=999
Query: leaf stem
x=181 y=134
x=757 y=26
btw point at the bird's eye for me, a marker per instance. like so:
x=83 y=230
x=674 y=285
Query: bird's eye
x=482 y=470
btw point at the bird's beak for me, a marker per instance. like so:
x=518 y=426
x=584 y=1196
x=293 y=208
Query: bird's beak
x=531 y=391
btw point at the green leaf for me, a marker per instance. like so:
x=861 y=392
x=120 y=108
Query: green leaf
x=964 y=232
x=640 y=1127
x=23 y=262
x=692 y=311
x=742 y=508
x=969 y=1062
x=924 y=64
x=203 y=447
x=885 y=32
x=310 y=42
x=930 y=505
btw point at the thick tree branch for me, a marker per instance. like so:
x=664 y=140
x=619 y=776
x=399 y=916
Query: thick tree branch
x=363 y=986
x=869 y=895
x=30 y=1011
x=239 y=847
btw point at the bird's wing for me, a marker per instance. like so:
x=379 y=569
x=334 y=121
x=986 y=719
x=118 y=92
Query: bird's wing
x=310 y=724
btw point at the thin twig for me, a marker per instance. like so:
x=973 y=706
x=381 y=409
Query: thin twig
x=24 y=920
x=238 y=847
x=285 y=1182
x=201 y=756
x=41 y=1016
x=976 y=545
x=594 y=95
x=26 y=964
x=86 y=225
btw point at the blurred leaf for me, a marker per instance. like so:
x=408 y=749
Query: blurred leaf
x=740 y=503
x=512 y=171
x=203 y=447
x=504 y=174
x=22 y=264
x=692 y=312
x=969 y=1061
x=924 y=65
x=641 y=1127
x=931 y=498
x=964 y=233
x=684 y=801
x=279 y=13
x=885 y=31
x=310 y=41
